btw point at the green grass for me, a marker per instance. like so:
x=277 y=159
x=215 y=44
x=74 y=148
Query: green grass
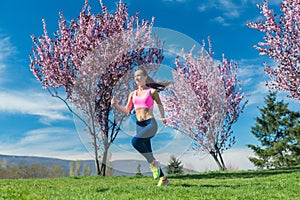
x=267 y=184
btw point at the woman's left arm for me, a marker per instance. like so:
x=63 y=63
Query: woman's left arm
x=156 y=98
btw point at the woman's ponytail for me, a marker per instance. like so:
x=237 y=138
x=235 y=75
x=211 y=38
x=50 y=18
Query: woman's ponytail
x=159 y=86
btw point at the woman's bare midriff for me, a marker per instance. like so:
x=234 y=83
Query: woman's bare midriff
x=144 y=114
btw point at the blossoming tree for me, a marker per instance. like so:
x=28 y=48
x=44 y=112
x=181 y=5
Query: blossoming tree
x=87 y=58
x=107 y=71
x=204 y=101
x=282 y=44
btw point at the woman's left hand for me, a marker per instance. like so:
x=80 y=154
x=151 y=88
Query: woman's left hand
x=164 y=121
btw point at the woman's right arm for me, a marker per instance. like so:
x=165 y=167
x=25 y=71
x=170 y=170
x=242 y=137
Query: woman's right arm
x=128 y=106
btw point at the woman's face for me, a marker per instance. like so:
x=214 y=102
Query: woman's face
x=140 y=78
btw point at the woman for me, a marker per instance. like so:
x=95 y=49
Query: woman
x=142 y=100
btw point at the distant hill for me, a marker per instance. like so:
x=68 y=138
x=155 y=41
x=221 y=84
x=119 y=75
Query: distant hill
x=48 y=162
x=120 y=167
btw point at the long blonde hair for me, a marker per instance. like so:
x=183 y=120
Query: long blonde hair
x=159 y=86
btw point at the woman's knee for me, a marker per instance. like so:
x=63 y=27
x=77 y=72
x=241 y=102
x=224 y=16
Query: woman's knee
x=135 y=142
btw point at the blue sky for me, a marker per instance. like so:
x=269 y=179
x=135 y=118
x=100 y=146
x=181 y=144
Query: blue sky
x=33 y=123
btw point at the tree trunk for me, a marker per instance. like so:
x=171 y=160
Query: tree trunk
x=96 y=156
x=97 y=166
x=213 y=154
x=221 y=159
x=104 y=160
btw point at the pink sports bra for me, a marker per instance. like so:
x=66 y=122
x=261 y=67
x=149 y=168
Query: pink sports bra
x=144 y=101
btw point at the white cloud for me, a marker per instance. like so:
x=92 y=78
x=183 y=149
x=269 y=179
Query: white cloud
x=6 y=50
x=227 y=10
x=253 y=80
x=230 y=9
x=250 y=68
x=27 y=101
x=47 y=142
x=258 y=94
x=30 y=103
x=236 y=159
x=221 y=21
x=206 y=5
x=252 y=76
x=202 y=8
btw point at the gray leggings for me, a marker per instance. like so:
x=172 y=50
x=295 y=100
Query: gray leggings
x=145 y=130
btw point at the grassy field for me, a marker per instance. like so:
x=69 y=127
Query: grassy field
x=267 y=184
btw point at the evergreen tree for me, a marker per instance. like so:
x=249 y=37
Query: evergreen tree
x=3 y=164
x=174 y=166
x=87 y=171
x=277 y=130
x=71 y=170
x=139 y=172
x=77 y=168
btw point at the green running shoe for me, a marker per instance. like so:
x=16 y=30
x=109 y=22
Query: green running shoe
x=155 y=168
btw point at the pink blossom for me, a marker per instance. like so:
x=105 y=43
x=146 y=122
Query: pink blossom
x=282 y=44
x=204 y=101
x=87 y=58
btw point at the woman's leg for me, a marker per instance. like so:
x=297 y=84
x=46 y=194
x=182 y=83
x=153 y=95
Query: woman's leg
x=145 y=130
x=142 y=146
x=148 y=144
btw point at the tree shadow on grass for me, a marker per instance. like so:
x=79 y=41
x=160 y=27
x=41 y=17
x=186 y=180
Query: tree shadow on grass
x=100 y=190
x=238 y=174
x=187 y=185
x=212 y=186
x=232 y=186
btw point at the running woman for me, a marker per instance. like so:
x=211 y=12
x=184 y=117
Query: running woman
x=143 y=100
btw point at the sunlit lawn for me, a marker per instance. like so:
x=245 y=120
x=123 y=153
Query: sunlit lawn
x=268 y=184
